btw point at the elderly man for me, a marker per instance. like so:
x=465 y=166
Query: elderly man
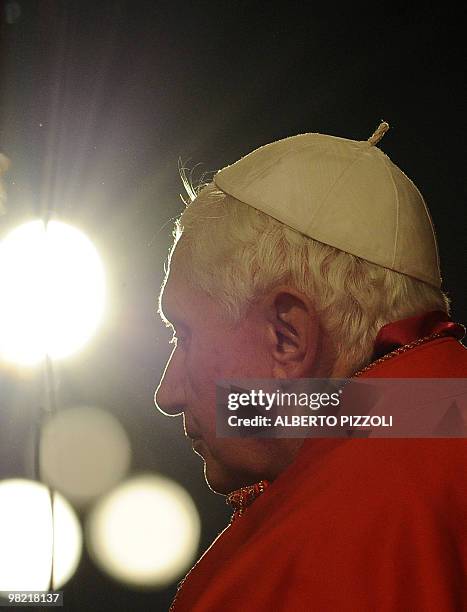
x=315 y=257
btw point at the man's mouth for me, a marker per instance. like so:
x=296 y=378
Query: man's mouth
x=198 y=447
x=190 y=429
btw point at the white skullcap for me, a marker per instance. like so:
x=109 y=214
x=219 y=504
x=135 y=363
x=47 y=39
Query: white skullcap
x=344 y=193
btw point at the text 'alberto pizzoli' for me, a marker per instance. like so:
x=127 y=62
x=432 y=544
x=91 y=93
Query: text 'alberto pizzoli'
x=311 y=420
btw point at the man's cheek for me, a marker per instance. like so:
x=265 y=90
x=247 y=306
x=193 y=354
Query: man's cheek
x=206 y=364
x=201 y=376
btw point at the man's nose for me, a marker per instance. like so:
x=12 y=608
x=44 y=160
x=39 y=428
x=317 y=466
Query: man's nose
x=170 y=395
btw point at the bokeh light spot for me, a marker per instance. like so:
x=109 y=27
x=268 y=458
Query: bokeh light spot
x=26 y=537
x=52 y=291
x=84 y=452
x=144 y=533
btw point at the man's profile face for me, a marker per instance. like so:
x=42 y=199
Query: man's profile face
x=210 y=348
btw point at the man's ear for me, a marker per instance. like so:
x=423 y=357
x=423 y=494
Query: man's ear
x=293 y=333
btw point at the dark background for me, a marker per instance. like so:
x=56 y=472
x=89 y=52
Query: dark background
x=98 y=100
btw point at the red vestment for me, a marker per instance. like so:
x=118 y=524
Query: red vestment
x=354 y=525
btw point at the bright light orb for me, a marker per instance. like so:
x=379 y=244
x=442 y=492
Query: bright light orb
x=26 y=537
x=145 y=533
x=84 y=452
x=52 y=291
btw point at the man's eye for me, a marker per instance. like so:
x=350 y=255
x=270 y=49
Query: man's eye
x=177 y=340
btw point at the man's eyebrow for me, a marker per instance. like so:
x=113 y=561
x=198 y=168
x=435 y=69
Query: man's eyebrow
x=169 y=320
x=160 y=312
x=165 y=321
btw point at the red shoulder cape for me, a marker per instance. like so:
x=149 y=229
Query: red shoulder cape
x=352 y=525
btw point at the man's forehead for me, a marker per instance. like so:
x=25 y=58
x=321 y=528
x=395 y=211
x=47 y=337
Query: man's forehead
x=167 y=301
x=174 y=296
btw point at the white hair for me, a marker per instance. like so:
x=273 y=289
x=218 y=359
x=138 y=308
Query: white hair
x=236 y=253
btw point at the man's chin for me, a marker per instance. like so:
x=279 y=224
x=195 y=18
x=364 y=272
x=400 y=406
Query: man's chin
x=219 y=478
x=214 y=474
x=222 y=483
x=216 y=482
